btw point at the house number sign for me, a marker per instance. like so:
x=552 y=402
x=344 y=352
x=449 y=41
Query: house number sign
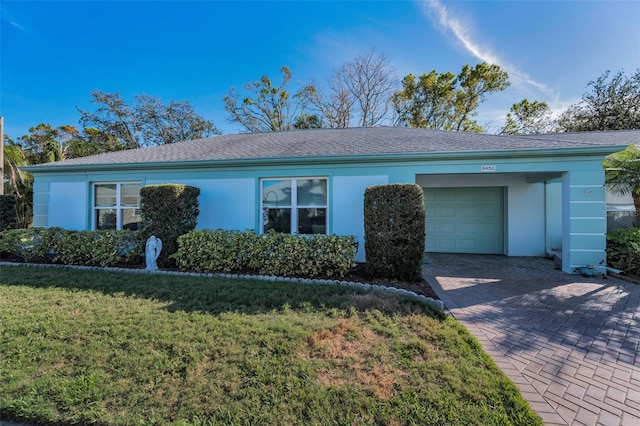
x=488 y=168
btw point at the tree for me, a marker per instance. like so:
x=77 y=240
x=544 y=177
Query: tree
x=360 y=90
x=610 y=104
x=163 y=124
x=527 y=118
x=42 y=144
x=622 y=173
x=147 y=121
x=371 y=81
x=475 y=83
x=113 y=116
x=18 y=183
x=87 y=144
x=45 y=144
x=265 y=107
x=14 y=179
x=445 y=101
x=308 y=121
x=334 y=104
x=427 y=101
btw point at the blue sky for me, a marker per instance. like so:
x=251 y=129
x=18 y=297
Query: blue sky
x=54 y=53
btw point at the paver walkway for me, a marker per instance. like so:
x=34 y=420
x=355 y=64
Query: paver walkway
x=570 y=343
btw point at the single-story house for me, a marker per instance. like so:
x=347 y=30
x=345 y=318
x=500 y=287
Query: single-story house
x=532 y=195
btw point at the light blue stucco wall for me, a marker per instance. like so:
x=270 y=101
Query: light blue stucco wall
x=539 y=213
x=584 y=222
x=553 y=215
x=68 y=205
x=348 y=199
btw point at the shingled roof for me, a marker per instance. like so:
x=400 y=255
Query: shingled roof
x=346 y=142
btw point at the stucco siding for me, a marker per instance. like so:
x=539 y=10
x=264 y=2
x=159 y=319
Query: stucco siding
x=553 y=216
x=583 y=199
x=588 y=225
x=526 y=219
x=68 y=205
x=579 y=193
x=40 y=203
x=347 y=206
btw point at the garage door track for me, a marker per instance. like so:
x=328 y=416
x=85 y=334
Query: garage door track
x=569 y=342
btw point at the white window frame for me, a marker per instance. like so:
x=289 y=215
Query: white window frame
x=294 y=201
x=118 y=207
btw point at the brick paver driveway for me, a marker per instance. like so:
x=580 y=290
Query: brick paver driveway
x=570 y=343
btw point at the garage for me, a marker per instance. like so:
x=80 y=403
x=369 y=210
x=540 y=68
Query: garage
x=464 y=220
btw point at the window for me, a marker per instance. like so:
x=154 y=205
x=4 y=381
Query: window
x=116 y=205
x=295 y=205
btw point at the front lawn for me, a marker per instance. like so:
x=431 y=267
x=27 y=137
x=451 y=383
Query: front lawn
x=110 y=348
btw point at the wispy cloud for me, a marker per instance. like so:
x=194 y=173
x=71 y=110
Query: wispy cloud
x=450 y=23
x=18 y=26
x=7 y=17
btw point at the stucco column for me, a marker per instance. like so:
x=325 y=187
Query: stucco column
x=584 y=223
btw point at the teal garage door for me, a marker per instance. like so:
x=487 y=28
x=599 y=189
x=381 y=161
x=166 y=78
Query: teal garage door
x=464 y=220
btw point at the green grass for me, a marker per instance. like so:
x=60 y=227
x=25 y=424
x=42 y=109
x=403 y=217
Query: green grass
x=107 y=348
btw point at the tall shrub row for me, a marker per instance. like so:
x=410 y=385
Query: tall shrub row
x=56 y=245
x=168 y=211
x=267 y=254
x=394 y=231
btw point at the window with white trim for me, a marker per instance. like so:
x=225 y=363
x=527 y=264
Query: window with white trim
x=294 y=205
x=116 y=205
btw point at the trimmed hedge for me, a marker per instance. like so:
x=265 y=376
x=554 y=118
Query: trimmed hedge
x=168 y=211
x=267 y=254
x=8 y=212
x=56 y=245
x=623 y=249
x=200 y=251
x=394 y=231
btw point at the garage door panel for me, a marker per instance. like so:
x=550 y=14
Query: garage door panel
x=445 y=196
x=445 y=244
x=464 y=220
x=466 y=244
x=486 y=230
x=469 y=196
x=479 y=212
x=429 y=196
x=446 y=227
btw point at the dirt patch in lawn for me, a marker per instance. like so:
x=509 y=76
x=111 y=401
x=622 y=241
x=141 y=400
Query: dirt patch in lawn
x=346 y=355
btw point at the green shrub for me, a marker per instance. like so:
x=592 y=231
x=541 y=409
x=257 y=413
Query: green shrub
x=199 y=251
x=623 y=249
x=267 y=254
x=31 y=244
x=99 y=248
x=16 y=242
x=8 y=212
x=394 y=231
x=219 y=251
x=168 y=211
x=56 y=245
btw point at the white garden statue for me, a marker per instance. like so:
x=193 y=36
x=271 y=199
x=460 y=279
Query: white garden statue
x=152 y=251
